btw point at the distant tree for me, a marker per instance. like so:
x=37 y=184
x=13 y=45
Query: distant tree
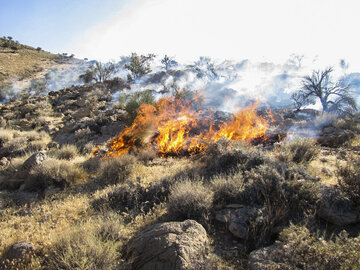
x=38 y=49
x=99 y=72
x=168 y=62
x=334 y=96
x=205 y=67
x=9 y=38
x=139 y=66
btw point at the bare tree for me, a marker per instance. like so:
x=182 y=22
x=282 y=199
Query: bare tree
x=334 y=96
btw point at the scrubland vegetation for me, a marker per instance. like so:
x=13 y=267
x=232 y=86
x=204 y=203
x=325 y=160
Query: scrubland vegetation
x=284 y=204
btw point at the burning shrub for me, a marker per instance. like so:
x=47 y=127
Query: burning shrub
x=53 y=172
x=349 y=179
x=67 y=152
x=116 y=170
x=190 y=200
x=299 y=151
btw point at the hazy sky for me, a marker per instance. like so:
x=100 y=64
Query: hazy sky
x=265 y=30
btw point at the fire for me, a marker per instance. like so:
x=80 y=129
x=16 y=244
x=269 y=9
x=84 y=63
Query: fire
x=176 y=126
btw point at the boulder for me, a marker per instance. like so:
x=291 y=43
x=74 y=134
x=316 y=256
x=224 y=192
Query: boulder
x=238 y=218
x=170 y=245
x=335 y=207
x=34 y=160
x=19 y=251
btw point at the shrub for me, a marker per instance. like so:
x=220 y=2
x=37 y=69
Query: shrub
x=300 y=249
x=190 y=200
x=53 y=172
x=91 y=246
x=116 y=170
x=138 y=98
x=349 y=179
x=299 y=151
x=145 y=155
x=226 y=157
x=67 y=152
x=227 y=189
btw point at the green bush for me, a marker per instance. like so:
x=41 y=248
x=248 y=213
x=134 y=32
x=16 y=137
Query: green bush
x=116 y=170
x=138 y=98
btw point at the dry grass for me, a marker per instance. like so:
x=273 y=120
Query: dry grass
x=53 y=172
x=67 y=151
x=17 y=143
x=190 y=200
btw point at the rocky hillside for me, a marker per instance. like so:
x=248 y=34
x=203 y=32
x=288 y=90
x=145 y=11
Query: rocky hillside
x=285 y=203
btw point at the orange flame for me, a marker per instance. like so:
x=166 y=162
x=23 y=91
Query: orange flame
x=175 y=126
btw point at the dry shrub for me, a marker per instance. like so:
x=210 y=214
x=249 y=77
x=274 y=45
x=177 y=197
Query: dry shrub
x=227 y=157
x=145 y=155
x=17 y=143
x=302 y=250
x=190 y=200
x=53 y=172
x=67 y=151
x=91 y=246
x=116 y=170
x=349 y=179
x=227 y=189
x=299 y=151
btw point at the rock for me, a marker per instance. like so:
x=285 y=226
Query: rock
x=335 y=207
x=34 y=160
x=263 y=258
x=19 y=251
x=170 y=245
x=4 y=163
x=238 y=218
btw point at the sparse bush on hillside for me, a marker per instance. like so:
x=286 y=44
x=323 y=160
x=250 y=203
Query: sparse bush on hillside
x=53 y=172
x=145 y=155
x=190 y=200
x=299 y=151
x=98 y=72
x=139 y=66
x=67 y=151
x=116 y=170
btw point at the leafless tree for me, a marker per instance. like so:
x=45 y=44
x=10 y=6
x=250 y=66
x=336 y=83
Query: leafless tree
x=334 y=96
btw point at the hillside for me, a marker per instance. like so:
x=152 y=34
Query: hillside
x=96 y=176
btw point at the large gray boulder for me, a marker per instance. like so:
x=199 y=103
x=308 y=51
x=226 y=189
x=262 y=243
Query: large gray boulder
x=336 y=208
x=170 y=245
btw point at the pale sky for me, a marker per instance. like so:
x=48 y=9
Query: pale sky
x=259 y=30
